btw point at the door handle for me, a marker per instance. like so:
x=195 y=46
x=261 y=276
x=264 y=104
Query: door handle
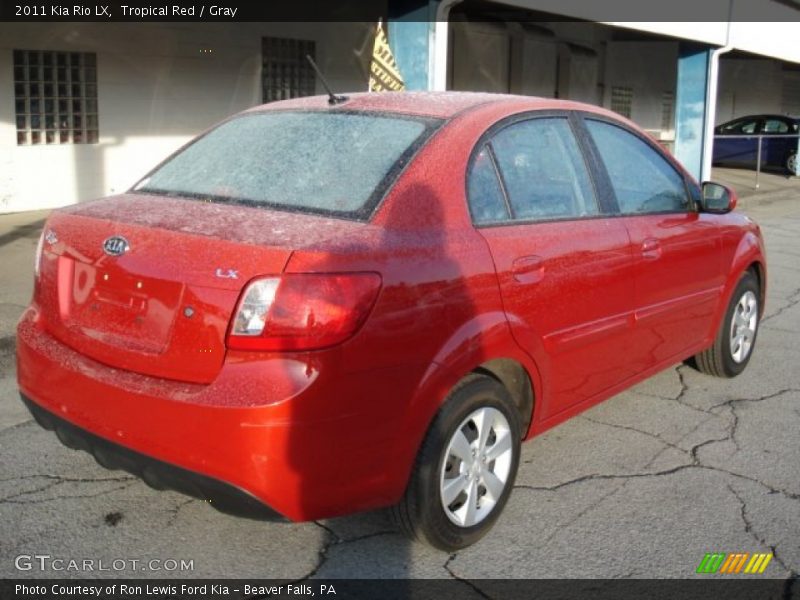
x=528 y=269
x=651 y=249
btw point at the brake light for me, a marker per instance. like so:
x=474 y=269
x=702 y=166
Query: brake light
x=302 y=311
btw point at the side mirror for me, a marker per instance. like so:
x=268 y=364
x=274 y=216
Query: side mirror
x=717 y=198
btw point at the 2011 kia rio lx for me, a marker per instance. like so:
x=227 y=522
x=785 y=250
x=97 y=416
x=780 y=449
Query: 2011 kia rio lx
x=318 y=308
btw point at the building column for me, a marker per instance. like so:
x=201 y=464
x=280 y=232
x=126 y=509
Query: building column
x=691 y=104
x=411 y=26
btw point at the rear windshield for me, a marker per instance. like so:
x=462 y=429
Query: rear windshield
x=335 y=163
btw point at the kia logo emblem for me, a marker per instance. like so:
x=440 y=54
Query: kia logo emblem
x=116 y=246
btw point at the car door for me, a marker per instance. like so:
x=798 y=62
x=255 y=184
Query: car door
x=564 y=267
x=776 y=145
x=675 y=248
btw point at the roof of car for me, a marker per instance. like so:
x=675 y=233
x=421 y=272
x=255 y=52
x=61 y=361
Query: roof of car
x=762 y=116
x=432 y=104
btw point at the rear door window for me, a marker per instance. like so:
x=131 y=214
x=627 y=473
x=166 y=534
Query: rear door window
x=335 y=163
x=776 y=126
x=487 y=203
x=543 y=170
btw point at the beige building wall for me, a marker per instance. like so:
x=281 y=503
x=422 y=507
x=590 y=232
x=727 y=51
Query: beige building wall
x=649 y=69
x=750 y=86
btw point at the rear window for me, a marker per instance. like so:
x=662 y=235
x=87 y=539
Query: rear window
x=334 y=163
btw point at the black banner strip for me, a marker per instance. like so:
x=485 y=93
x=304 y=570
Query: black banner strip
x=40 y=11
x=702 y=588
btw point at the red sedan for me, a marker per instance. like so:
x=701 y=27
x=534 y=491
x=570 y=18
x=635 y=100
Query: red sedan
x=316 y=309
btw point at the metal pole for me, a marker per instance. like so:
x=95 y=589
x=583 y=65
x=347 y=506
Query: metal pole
x=758 y=161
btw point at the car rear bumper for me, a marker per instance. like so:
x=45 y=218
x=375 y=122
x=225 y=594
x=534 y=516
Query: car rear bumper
x=308 y=443
x=157 y=474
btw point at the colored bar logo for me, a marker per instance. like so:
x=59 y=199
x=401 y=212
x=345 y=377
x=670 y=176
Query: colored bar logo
x=734 y=563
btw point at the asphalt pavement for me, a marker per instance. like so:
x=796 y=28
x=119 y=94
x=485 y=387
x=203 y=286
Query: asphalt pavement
x=642 y=485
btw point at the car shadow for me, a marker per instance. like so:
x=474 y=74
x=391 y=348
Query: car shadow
x=28 y=230
x=413 y=242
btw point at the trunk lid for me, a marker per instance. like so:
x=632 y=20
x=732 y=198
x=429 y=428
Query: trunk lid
x=163 y=306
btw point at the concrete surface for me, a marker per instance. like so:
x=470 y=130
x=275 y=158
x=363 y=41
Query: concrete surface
x=19 y=234
x=642 y=485
x=756 y=189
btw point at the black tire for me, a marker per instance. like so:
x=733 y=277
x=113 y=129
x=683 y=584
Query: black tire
x=718 y=360
x=421 y=514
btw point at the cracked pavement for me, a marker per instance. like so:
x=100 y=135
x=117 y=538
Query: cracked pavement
x=642 y=485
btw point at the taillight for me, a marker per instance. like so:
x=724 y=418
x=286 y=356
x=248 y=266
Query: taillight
x=302 y=311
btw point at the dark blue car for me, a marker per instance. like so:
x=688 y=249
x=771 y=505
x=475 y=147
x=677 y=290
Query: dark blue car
x=736 y=142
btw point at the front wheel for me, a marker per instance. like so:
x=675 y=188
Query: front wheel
x=466 y=467
x=736 y=338
x=791 y=163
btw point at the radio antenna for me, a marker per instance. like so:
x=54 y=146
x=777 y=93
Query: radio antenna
x=332 y=98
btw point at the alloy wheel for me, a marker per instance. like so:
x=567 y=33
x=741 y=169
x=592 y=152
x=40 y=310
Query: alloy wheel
x=476 y=467
x=743 y=326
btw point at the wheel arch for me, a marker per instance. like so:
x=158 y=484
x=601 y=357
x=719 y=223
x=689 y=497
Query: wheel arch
x=749 y=256
x=514 y=377
x=757 y=268
x=483 y=345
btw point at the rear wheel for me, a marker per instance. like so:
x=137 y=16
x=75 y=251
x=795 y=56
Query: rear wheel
x=466 y=467
x=736 y=338
x=791 y=163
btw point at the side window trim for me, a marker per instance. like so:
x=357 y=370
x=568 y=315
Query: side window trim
x=690 y=204
x=501 y=180
x=485 y=141
x=604 y=191
x=736 y=126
